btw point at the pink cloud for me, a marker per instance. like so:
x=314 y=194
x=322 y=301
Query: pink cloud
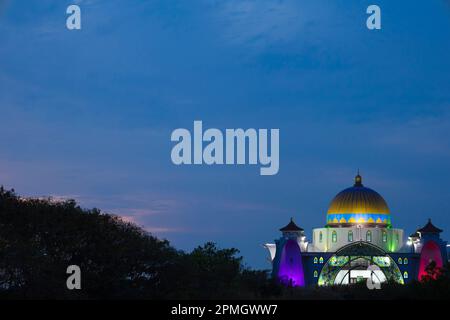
x=160 y=230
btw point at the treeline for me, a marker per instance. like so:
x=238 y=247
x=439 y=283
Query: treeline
x=39 y=239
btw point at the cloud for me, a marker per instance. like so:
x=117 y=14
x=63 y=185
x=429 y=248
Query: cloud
x=418 y=136
x=3 y=6
x=157 y=209
x=129 y=219
x=162 y=230
x=260 y=22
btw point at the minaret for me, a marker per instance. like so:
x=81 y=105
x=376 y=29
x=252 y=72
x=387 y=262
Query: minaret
x=433 y=249
x=287 y=264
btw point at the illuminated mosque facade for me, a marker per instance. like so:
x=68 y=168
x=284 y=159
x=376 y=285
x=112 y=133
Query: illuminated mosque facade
x=357 y=243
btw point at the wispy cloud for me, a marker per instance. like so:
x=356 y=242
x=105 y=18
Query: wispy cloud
x=3 y=6
x=162 y=230
x=158 y=231
x=260 y=22
x=418 y=136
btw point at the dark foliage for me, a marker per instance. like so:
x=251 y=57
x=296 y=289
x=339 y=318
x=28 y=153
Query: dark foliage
x=39 y=239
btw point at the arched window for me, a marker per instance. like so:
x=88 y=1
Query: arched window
x=369 y=236
x=315 y=260
x=321 y=260
x=397 y=237
x=400 y=261
x=334 y=236
x=316 y=274
x=320 y=236
x=350 y=236
x=405 y=261
x=384 y=236
x=405 y=275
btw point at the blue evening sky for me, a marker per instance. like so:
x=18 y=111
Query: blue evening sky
x=88 y=114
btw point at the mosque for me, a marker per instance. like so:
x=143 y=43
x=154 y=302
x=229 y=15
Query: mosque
x=358 y=242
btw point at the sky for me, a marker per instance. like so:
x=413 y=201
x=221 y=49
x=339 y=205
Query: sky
x=87 y=114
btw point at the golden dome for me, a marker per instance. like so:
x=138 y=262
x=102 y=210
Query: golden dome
x=358 y=205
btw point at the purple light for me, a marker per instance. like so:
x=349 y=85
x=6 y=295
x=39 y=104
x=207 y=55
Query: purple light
x=291 y=267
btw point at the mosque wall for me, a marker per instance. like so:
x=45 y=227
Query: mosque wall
x=332 y=239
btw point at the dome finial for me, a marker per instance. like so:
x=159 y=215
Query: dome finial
x=358 y=180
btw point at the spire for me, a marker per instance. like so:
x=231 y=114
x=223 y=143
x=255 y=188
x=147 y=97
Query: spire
x=358 y=180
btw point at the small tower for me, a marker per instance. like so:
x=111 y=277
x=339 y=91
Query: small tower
x=287 y=263
x=433 y=253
